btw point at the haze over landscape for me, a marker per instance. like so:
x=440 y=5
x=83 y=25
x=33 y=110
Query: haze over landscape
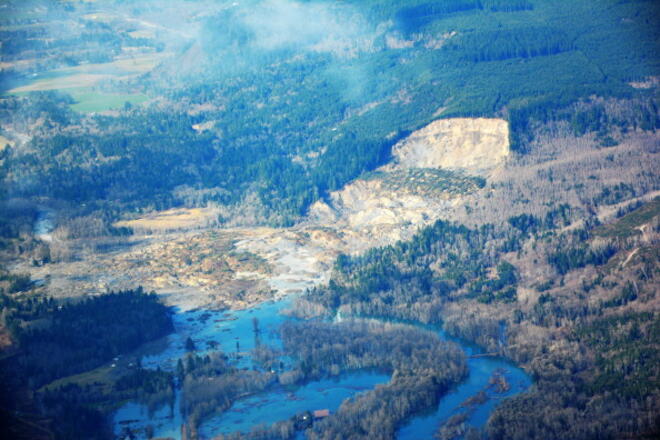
x=288 y=219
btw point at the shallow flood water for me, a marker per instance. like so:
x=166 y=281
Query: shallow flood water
x=282 y=404
x=166 y=421
x=481 y=370
x=207 y=327
x=226 y=329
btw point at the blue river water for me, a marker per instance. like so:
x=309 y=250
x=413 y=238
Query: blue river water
x=281 y=404
x=481 y=370
x=233 y=333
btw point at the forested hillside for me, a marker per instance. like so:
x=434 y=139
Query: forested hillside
x=61 y=340
x=587 y=328
x=251 y=113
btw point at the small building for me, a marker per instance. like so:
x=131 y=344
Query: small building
x=321 y=413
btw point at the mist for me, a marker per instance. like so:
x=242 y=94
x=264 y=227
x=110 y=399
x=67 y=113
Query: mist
x=319 y=26
x=342 y=31
x=331 y=38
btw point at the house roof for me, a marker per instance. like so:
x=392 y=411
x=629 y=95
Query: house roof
x=319 y=413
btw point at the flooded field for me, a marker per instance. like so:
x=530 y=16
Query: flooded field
x=234 y=334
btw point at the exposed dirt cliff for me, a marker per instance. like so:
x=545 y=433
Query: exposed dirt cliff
x=476 y=146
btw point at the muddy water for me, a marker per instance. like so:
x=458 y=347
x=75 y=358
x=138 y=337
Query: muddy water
x=271 y=407
x=226 y=329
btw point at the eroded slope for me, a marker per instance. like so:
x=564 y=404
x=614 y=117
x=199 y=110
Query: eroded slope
x=472 y=145
x=432 y=169
x=175 y=253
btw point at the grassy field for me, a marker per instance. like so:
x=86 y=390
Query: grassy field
x=89 y=101
x=79 y=81
x=88 y=75
x=104 y=377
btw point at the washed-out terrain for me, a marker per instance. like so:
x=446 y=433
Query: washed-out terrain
x=185 y=256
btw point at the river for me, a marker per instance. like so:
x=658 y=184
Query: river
x=207 y=327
